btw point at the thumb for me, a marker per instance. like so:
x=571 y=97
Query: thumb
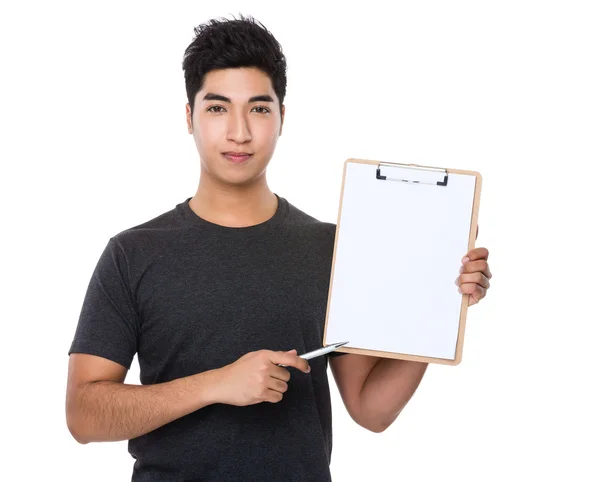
x=290 y=351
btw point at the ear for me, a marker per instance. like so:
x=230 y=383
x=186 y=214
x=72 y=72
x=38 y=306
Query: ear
x=188 y=118
x=282 y=117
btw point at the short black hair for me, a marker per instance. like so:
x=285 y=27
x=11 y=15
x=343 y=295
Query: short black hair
x=231 y=43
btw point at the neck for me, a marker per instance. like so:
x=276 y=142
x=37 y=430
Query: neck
x=233 y=206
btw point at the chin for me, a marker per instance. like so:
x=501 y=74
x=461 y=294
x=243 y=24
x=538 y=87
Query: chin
x=241 y=179
x=235 y=175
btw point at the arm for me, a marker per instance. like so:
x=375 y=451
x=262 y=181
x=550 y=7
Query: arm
x=375 y=390
x=101 y=408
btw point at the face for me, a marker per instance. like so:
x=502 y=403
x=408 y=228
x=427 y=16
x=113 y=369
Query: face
x=236 y=111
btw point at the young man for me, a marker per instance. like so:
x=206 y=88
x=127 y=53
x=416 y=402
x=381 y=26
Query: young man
x=216 y=293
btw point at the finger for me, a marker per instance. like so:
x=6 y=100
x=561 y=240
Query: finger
x=478 y=278
x=277 y=385
x=290 y=360
x=473 y=289
x=477 y=266
x=477 y=295
x=280 y=374
x=274 y=396
x=478 y=253
x=289 y=351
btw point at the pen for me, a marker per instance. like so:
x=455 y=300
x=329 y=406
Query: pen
x=320 y=351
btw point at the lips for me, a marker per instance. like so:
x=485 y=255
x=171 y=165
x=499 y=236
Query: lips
x=237 y=156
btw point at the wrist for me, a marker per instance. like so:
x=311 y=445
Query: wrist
x=209 y=385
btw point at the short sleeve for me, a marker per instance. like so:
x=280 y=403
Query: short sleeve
x=108 y=323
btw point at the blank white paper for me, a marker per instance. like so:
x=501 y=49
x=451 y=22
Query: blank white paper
x=399 y=251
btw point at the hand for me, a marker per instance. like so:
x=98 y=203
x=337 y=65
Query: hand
x=255 y=377
x=475 y=276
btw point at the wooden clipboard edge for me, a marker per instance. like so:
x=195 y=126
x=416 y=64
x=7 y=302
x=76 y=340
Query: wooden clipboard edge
x=472 y=236
x=464 y=306
x=398 y=356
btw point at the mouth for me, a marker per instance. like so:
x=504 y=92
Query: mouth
x=237 y=157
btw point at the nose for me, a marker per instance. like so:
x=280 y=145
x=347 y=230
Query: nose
x=238 y=130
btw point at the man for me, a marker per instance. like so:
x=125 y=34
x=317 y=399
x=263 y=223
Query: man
x=216 y=293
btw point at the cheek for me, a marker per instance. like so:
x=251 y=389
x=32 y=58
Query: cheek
x=206 y=138
x=269 y=135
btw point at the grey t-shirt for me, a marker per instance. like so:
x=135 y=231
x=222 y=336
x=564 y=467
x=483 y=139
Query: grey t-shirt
x=188 y=296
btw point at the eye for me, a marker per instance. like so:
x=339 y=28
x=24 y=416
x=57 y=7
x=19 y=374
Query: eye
x=265 y=110
x=210 y=109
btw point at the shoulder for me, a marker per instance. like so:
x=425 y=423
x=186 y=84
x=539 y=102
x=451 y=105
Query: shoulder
x=305 y=225
x=152 y=234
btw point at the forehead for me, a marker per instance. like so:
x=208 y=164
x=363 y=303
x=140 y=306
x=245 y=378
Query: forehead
x=238 y=84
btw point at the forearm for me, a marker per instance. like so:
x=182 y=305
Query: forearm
x=110 y=411
x=388 y=388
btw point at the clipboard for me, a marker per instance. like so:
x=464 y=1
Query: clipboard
x=402 y=231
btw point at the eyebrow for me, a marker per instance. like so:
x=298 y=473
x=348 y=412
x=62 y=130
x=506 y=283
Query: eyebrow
x=222 y=98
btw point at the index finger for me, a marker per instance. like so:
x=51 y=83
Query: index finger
x=290 y=360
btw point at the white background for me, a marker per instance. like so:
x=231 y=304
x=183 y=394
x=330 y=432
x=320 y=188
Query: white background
x=94 y=141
